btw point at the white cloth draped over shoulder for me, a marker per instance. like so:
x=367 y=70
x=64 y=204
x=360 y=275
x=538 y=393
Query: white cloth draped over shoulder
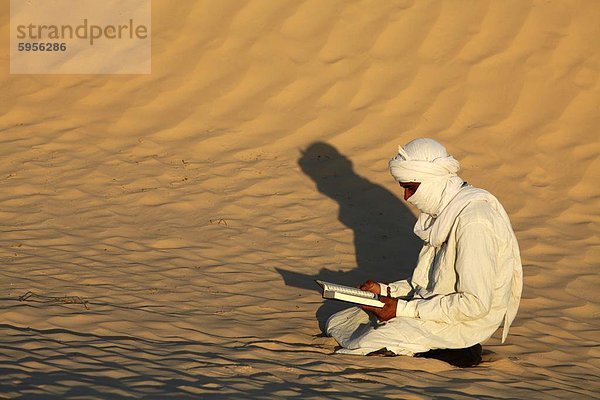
x=468 y=278
x=435 y=232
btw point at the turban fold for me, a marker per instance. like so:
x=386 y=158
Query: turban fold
x=421 y=160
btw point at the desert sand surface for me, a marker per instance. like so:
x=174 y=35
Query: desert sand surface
x=192 y=208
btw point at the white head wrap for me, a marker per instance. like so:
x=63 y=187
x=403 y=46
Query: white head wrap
x=422 y=159
x=426 y=161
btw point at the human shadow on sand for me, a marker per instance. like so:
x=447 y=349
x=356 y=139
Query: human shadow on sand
x=386 y=247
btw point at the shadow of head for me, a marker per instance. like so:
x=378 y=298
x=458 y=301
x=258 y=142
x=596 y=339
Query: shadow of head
x=327 y=167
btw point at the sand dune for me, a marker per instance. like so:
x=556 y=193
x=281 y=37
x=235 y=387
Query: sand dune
x=191 y=208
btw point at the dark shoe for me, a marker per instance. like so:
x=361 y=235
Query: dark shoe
x=463 y=358
x=382 y=353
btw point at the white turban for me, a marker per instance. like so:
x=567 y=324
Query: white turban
x=421 y=160
x=427 y=161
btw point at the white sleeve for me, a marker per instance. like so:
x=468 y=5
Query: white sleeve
x=475 y=261
x=401 y=288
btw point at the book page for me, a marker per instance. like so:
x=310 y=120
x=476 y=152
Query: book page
x=347 y=290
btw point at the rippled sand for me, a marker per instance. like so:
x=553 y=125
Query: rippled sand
x=192 y=208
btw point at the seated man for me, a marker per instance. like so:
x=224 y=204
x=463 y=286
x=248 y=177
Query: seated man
x=468 y=278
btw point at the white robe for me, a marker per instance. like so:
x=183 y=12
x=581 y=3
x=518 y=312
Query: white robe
x=461 y=291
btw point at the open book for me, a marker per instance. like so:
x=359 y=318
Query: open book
x=350 y=294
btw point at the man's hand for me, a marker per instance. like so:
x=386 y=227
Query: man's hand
x=370 y=286
x=387 y=312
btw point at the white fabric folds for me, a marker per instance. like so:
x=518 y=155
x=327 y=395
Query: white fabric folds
x=434 y=233
x=422 y=160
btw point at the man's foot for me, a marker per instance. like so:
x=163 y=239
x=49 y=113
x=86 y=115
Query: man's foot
x=463 y=358
x=382 y=353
